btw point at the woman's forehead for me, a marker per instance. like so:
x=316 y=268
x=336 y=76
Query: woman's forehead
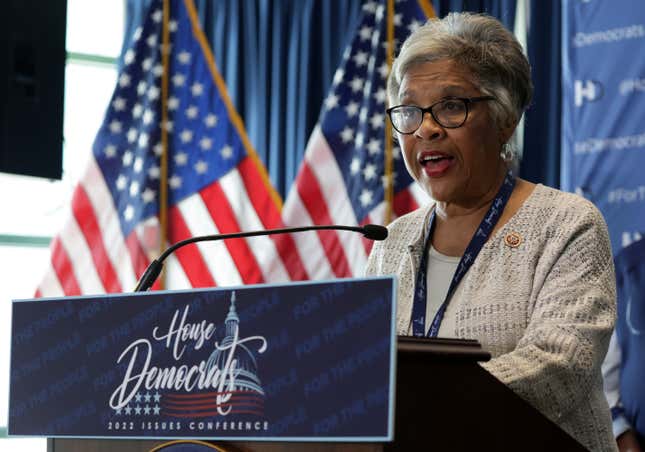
x=443 y=76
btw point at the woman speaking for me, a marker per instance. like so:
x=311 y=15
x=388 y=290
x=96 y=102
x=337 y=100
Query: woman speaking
x=525 y=269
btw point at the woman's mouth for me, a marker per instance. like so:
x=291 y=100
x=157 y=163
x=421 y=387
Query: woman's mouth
x=436 y=164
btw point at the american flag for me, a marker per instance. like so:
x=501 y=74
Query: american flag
x=343 y=178
x=169 y=85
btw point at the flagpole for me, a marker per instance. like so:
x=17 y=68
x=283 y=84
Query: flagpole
x=163 y=178
x=427 y=8
x=389 y=182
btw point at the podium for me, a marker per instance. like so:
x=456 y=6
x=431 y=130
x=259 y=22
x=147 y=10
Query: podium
x=445 y=401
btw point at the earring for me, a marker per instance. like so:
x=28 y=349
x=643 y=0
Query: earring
x=507 y=154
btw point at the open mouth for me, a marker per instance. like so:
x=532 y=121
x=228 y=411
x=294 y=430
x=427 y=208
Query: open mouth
x=436 y=164
x=435 y=159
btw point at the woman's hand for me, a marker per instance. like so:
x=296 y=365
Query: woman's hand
x=627 y=442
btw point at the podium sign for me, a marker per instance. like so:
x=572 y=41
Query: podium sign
x=302 y=361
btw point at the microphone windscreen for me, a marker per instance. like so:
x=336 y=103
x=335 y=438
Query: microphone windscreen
x=375 y=232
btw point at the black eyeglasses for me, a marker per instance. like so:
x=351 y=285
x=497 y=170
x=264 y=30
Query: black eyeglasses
x=450 y=113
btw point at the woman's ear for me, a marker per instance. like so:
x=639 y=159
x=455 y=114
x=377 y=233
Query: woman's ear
x=506 y=132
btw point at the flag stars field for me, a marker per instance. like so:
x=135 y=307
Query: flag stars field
x=352 y=109
x=124 y=80
x=132 y=135
x=137 y=110
x=157 y=15
x=331 y=102
x=201 y=167
x=178 y=79
x=192 y=112
x=141 y=88
x=205 y=143
x=366 y=197
x=175 y=181
x=181 y=158
x=168 y=126
x=138 y=164
x=197 y=89
x=152 y=40
x=153 y=93
x=148 y=117
x=121 y=182
x=173 y=103
x=119 y=104
x=184 y=57
x=115 y=127
x=360 y=59
x=347 y=135
x=365 y=33
x=226 y=152
x=129 y=57
x=374 y=146
x=110 y=151
x=338 y=76
x=377 y=120
x=356 y=84
x=186 y=136
x=210 y=120
x=134 y=188
x=355 y=166
x=148 y=195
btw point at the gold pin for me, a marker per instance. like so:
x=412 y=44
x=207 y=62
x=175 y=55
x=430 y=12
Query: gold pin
x=513 y=239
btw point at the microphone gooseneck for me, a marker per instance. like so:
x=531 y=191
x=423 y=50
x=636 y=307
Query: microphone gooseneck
x=369 y=231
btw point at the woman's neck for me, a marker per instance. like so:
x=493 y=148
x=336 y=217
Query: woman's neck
x=474 y=206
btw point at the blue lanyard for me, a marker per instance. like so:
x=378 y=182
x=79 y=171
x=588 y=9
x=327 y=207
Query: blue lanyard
x=474 y=247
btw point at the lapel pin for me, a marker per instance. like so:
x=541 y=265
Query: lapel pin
x=513 y=239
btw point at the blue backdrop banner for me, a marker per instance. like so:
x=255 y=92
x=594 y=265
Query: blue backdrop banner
x=603 y=139
x=304 y=361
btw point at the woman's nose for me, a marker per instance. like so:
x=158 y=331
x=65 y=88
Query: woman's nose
x=429 y=128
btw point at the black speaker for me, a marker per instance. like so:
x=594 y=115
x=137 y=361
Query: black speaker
x=32 y=84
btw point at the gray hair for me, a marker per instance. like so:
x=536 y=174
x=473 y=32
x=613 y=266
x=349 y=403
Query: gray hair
x=482 y=45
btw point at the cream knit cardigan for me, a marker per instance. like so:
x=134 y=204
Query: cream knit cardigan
x=544 y=309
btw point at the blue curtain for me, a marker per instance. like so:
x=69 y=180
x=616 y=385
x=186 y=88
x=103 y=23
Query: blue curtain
x=504 y=10
x=278 y=59
x=541 y=158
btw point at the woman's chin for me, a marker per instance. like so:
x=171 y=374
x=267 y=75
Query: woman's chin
x=440 y=190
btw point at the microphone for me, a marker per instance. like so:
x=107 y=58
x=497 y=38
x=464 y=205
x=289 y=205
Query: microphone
x=369 y=231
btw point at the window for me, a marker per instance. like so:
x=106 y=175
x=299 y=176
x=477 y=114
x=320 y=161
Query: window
x=36 y=208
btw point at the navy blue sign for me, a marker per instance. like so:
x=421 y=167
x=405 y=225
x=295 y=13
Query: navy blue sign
x=603 y=132
x=304 y=361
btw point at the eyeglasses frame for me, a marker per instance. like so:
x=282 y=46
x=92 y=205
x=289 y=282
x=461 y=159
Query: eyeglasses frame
x=467 y=101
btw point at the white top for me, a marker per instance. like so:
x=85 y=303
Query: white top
x=441 y=269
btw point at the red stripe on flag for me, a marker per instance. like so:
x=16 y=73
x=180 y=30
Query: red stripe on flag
x=404 y=202
x=137 y=254
x=220 y=210
x=270 y=217
x=316 y=205
x=84 y=213
x=367 y=243
x=189 y=256
x=63 y=268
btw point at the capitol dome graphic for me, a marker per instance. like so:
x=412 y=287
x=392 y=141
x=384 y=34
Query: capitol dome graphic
x=242 y=396
x=248 y=395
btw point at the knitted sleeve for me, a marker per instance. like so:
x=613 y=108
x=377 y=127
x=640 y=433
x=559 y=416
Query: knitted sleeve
x=557 y=361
